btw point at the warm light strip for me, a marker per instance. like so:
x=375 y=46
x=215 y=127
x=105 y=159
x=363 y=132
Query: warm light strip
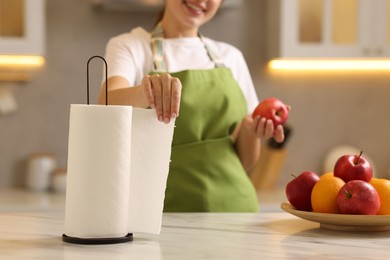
x=334 y=64
x=21 y=61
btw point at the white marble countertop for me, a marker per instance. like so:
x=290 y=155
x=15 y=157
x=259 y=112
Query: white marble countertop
x=35 y=233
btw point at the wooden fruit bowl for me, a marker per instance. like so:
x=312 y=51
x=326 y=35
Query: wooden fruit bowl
x=345 y=222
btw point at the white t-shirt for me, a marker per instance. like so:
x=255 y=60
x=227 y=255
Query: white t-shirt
x=129 y=55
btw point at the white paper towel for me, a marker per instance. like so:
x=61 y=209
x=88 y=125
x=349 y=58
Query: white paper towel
x=99 y=151
x=118 y=163
x=151 y=153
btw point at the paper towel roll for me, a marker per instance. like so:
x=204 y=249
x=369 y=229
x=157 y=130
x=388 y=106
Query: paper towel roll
x=97 y=195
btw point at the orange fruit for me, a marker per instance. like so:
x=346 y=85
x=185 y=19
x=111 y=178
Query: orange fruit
x=324 y=194
x=327 y=174
x=382 y=186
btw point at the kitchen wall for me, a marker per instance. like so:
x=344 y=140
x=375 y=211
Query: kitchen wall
x=327 y=109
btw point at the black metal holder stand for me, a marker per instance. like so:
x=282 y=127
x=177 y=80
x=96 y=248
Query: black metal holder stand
x=97 y=241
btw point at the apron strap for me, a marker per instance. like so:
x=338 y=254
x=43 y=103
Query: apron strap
x=157 y=36
x=213 y=57
x=157 y=48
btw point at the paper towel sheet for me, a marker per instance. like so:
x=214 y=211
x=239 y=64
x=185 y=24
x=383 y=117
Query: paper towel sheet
x=97 y=195
x=151 y=152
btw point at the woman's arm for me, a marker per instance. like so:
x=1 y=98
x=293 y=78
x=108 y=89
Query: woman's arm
x=120 y=93
x=247 y=144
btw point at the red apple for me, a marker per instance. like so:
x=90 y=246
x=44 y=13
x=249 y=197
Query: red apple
x=298 y=190
x=353 y=167
x=358 y=197
x=274 y=109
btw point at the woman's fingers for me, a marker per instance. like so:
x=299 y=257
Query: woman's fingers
x=264 y=128
x=147 y=88
x=163 y=92
x=259 y=126
x=175 y=97
x=157 y=92
x=279 y=134
x=269 y=129
x=166 y=97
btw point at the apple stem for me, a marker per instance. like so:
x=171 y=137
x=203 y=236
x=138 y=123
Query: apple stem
x=357 y=159
x=293 y=175
x=347 y=194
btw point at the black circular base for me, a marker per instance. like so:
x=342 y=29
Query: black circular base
x=97 y=241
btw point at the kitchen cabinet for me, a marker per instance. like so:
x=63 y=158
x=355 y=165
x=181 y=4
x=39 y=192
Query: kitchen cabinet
x=328 y=28
x=22 y=38
x=22 y=27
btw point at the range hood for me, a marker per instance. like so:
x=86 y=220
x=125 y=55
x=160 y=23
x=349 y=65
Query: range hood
x=144 y=5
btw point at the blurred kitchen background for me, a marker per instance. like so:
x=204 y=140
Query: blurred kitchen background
x=330 y=108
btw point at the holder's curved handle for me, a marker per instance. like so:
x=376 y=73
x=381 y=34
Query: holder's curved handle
x=105 y=62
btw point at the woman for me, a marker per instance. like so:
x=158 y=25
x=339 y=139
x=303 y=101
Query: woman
x=176 y=71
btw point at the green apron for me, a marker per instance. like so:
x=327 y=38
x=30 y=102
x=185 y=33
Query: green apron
x=206 y=174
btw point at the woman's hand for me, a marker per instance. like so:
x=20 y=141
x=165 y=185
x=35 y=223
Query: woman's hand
x=163 y=93
x=247 y=136
x=264 y=129
x=258 y=128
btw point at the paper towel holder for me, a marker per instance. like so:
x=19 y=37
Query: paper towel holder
x=106 y=76
x=98 y=240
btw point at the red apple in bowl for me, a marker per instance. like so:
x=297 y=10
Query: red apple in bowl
x=274 y=109
x=353 y=167
x=298 y=190
x=358 y=197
